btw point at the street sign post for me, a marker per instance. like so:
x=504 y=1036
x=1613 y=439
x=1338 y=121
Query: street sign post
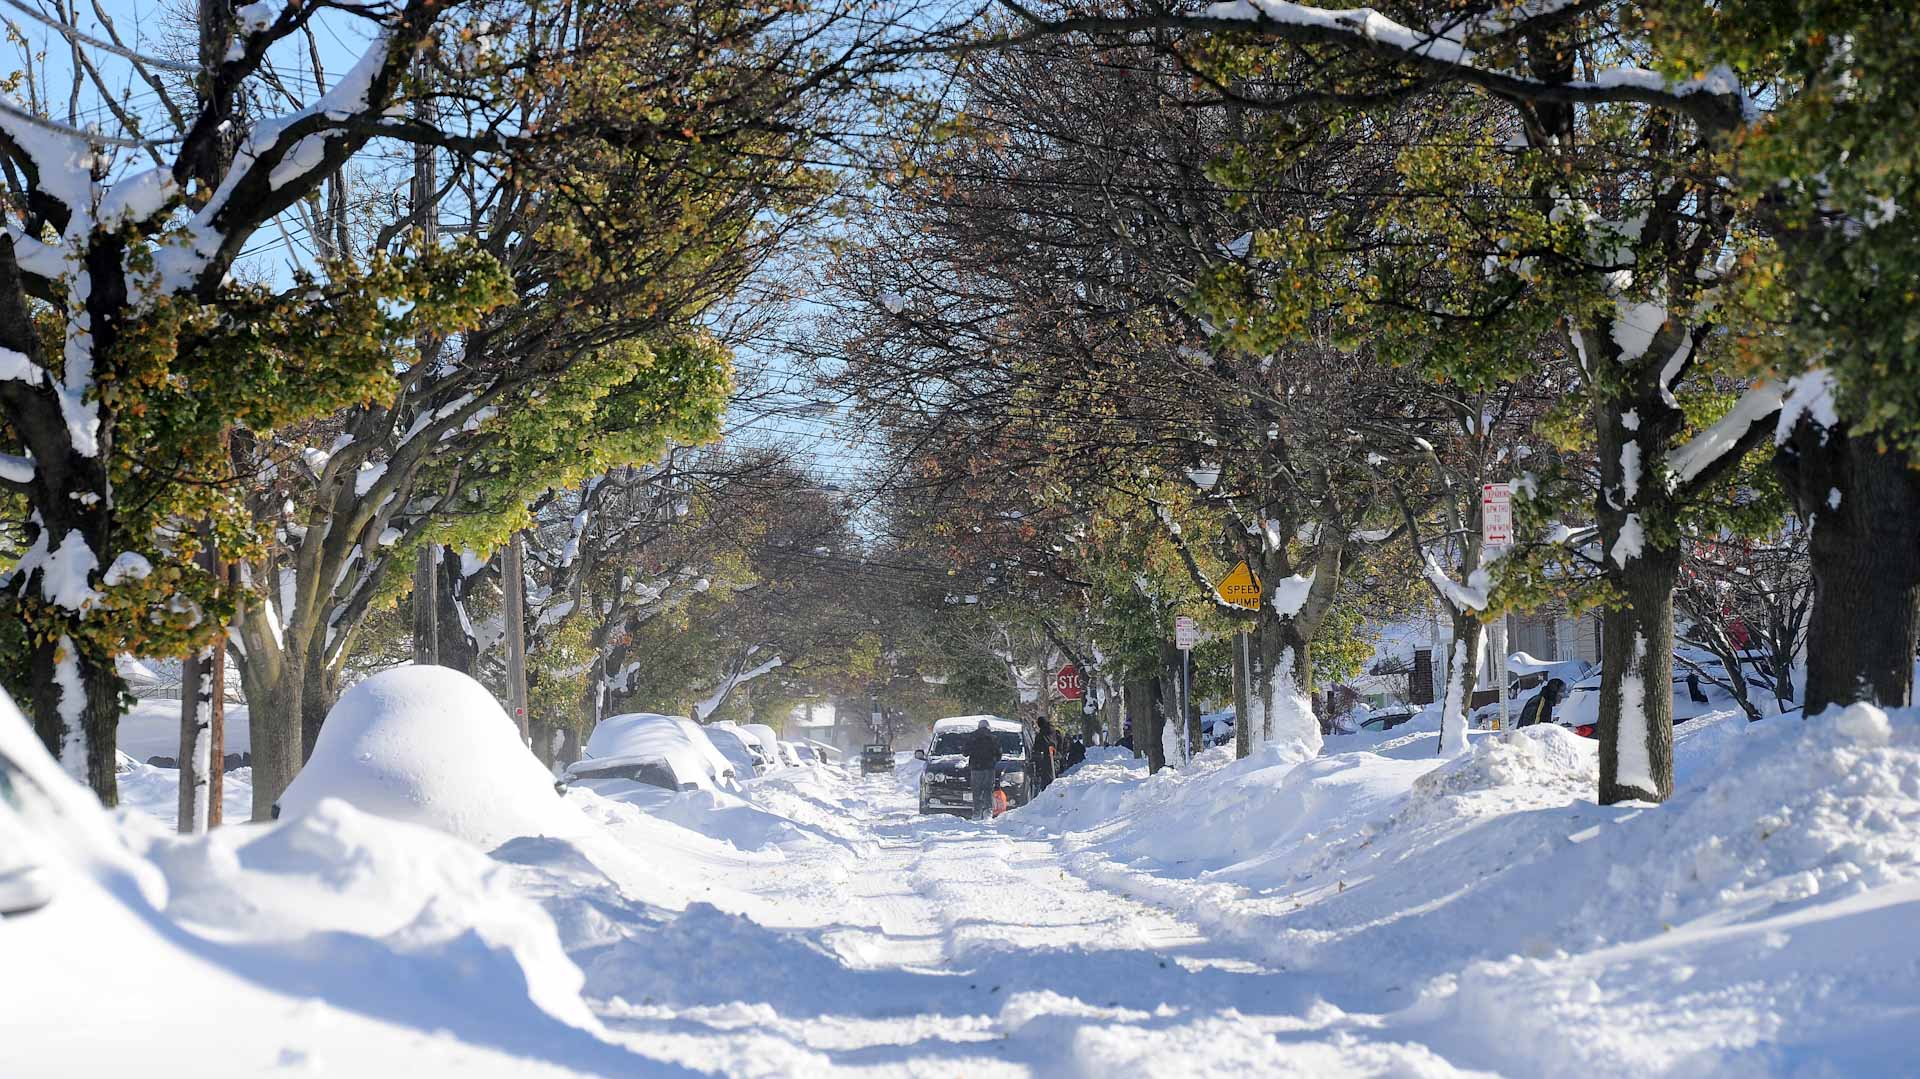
x=1496 y=534
x=1240 y=588
x=1066 y=682
x=1186 y=634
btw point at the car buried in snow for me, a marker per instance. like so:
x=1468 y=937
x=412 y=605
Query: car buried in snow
x=944 y=784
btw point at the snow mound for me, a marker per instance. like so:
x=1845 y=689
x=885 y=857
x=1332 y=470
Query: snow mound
x=735 y=821
x=430 y=746
x=1787 y=812
x=374 y=946
x=384 y=894
x=1544 y=755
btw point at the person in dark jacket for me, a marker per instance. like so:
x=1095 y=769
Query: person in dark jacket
x=983 y=762
x=1076 y=752
x=1540 y=708
x=1040 y=768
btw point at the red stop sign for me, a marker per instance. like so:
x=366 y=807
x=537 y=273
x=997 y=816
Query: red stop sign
x=1067 y=682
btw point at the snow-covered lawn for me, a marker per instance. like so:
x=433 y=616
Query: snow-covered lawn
x=1369 y=911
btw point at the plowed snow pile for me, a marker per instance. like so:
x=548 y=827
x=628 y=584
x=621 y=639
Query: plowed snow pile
x=1767 y=916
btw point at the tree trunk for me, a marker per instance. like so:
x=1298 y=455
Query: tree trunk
x=197 y=759
x=426 y=609
x=1282 y=690
x=273 y=706
x=316 y=700
x=1462 y=671
x=569 y=746
x=1139 y=722
x=1147 y=734
x=513 y=580
x=541 y=732
x=1636 y=682
x=1865 y=555
x=454 y=645
x=1170 y=705
x=77 y=700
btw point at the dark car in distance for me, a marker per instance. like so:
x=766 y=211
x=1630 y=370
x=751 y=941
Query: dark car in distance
x=876 y=758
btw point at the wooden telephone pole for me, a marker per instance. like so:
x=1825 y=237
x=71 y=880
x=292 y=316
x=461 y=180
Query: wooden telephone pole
x=513 y=581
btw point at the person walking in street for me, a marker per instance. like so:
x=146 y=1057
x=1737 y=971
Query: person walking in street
x=983 y=763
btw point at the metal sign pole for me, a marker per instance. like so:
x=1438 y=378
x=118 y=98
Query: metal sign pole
x=1187 y=705
x=1500 y=662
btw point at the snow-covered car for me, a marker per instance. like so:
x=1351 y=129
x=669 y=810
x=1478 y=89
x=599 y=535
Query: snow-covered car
x=944 y=783
x=803 y=752
x=639 y=737
x=1217 y=728
x=769 y=742
x=733 y=745
x=762 y=763
x=1579 y=710
x=790 y=754
x=1386 y=719
x=24 y=882
x=640 y=781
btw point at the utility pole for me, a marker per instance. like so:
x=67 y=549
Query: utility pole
x=513 y=580
x=426 y=571
x=203 y=676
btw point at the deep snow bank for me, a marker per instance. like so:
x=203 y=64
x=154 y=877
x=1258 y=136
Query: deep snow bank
x=431 y=746
x=1489 y=900
x=329 y=939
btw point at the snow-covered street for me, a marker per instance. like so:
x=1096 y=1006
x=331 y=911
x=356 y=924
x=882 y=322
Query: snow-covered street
x=933 y=943
x=1373 y=910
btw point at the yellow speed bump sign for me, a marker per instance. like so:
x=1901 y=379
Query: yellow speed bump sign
x=1240 y=588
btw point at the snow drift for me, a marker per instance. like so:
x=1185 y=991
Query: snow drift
x=334 y=938
x=431 y=746
x=1766 y=917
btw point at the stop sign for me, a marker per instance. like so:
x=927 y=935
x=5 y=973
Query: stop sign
x=1067 y=682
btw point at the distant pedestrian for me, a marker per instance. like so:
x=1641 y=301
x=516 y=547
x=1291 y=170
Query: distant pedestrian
x=1540 y=708
x=1694 y=692
x=1076 y=752
x=1040 y=768
x=983 y=767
